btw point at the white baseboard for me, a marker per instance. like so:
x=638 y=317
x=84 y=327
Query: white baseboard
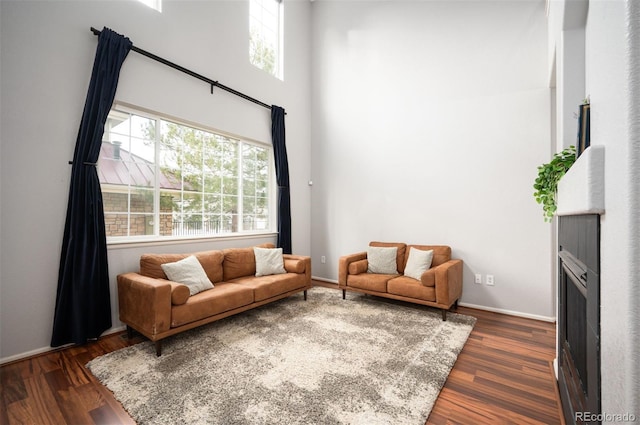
x=43 y=350
x=510 y=312
x=478 y=307
x=30 y=354
x=323 y=279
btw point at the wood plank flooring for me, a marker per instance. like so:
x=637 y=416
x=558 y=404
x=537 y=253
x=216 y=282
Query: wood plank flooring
x=502 y=376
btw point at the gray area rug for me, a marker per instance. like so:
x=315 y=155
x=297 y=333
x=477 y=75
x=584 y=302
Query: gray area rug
x=322 y=361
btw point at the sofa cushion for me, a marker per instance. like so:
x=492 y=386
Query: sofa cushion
x=441 y=253
x=211 y=261
x=411 y=288
x=189 y=272
x=418 y=262
x=240 y=262
x=268 y=261
x=382 y=260
x=265 y=287
x=370 y=281
x=224 y=297
x=402 y=248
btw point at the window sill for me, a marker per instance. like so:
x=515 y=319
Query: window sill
x=136 y=243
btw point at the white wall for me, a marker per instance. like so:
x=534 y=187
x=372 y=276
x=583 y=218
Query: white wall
x=613 y=81
x=47 y=54
x=429 y=122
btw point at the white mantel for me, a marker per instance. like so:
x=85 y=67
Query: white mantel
x=581 y=189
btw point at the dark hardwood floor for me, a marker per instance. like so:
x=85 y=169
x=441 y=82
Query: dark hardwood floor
x=503 y=375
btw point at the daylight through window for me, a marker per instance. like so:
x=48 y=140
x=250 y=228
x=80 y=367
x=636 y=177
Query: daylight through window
x=265 y=26
x=161 y=178
x=154 y=4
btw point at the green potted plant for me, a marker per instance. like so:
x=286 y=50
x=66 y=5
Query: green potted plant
x=546 y=184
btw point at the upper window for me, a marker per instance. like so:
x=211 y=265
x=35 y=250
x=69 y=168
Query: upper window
x=265 y=27
x=162 y=178
x=154 y=4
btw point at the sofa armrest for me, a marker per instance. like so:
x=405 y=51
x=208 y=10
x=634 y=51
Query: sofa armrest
x=300 y=264
x=179 y=293
x=428 y=278
x=294 y=266
x=358 y=267
x=448 y=282
x=145 y=303
x=343 y=265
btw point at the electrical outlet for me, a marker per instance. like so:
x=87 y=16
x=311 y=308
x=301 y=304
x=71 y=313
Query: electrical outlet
x=490 y=279
x=478 y=278
x=323 y=259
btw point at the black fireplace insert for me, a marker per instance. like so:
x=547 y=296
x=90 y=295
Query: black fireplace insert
x=579 y=318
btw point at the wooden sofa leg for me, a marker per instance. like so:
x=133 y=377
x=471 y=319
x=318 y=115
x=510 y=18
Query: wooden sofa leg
x=158 y=348
x=344 y=294
x=305 y=294
x=129 y=332
x=444 y=315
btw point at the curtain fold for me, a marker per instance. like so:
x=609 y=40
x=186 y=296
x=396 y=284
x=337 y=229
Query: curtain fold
x=83 y=304
x=282 y=176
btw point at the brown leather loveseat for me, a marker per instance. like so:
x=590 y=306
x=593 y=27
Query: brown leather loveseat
x=158 y=308
x=439 y=285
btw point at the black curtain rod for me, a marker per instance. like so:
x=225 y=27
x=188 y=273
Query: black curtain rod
x=211 y=82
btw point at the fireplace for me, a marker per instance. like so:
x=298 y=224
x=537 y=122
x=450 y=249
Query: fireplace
x=579 y=317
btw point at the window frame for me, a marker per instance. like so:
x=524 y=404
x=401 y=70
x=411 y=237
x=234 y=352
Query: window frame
x=157 y=238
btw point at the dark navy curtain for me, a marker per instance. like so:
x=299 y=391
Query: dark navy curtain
x=282 y=175
x=83 y=305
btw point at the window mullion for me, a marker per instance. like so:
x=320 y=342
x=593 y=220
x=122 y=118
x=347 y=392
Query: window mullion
x=240 y=188
x=156 y=174
x=182 y=200
x=129 y=182
x=202 y=185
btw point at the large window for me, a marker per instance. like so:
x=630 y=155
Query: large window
x=265 y=27
x=162 y=178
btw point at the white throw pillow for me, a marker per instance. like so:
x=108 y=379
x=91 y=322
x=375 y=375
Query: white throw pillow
x=269 y=261
x=188 y=271
x=419 y=261
x=382 y=260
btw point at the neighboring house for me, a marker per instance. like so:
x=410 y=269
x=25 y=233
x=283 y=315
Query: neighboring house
x=127 y=186
x=123 y=174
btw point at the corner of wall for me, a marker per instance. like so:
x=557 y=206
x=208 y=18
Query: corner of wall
x=633 y=52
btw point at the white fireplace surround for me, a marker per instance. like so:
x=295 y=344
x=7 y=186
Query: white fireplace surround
x=581 y=189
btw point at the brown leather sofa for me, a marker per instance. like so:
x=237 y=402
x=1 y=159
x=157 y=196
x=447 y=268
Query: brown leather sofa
x=159 y=308
x=440 y=286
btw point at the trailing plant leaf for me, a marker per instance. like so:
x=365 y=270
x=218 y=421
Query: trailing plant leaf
x=546 y=185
